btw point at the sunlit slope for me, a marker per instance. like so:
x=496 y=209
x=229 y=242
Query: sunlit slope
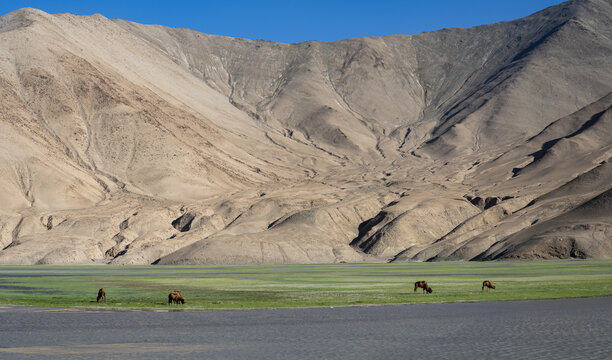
x=133 y=144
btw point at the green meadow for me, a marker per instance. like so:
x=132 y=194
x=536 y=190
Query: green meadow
x=274 y=286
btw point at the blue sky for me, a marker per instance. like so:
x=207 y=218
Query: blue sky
x=295 y=21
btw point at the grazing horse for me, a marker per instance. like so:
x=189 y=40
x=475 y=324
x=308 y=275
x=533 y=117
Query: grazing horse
x=422 y=284
x=176 y=297
x=489 y=285
x=172 y=296
x=101 y=295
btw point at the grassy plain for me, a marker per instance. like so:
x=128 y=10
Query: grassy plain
x=270 y=286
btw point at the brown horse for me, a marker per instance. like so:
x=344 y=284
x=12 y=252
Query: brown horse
x=172 y=296
x=101 y=295
x=489 y=285
x=422 y=284
x=176 y=297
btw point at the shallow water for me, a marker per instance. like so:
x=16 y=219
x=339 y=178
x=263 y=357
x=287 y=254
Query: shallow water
x=559 y=329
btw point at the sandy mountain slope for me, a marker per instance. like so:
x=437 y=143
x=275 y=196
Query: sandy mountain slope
x=125 y=143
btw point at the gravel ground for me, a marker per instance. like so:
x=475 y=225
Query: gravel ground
x=546 y=329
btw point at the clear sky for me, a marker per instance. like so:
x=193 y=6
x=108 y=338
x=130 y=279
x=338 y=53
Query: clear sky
x=295 y=21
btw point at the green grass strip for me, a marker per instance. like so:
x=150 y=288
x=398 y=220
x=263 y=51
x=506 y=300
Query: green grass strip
x=275 y=286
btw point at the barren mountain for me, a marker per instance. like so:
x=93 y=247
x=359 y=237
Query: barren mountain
x=125 y=143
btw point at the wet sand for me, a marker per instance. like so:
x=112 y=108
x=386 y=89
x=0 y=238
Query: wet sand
x=559 y=329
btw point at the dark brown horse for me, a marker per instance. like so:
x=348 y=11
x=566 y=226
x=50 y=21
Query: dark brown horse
x=489 y=285
x=422 y=284
x=101 y=295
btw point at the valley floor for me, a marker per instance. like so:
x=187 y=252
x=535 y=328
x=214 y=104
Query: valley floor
x=292 y=286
